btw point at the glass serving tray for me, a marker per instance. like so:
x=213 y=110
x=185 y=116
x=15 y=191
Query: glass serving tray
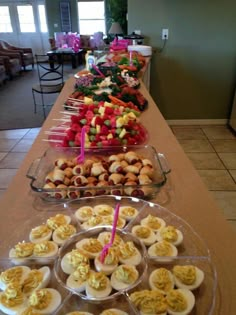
x=193 y=250
x=41 y=167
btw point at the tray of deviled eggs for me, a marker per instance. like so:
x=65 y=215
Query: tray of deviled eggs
x=153 y=249
x=29 y=289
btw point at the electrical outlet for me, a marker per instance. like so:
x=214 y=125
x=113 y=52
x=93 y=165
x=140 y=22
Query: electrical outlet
x=165 y=33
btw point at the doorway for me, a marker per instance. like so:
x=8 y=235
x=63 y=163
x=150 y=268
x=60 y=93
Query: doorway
x=23 y=23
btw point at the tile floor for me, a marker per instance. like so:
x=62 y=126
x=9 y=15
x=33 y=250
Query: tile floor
x=212 y=150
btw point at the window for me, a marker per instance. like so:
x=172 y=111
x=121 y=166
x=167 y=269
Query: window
x=26 y=18
x=42 y=18
x=5 y=20
x=91 y=17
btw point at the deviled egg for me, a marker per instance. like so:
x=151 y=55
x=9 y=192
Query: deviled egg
x=45 y=301
x=105 y=237
x=129 y=254
x=91 y=247
x=77 y=280
x=63 y=233
x=108 y=220
x=124 y=276
x=36 y=279
x=45 y=249
x=40 y=233
x=161 y=250
x=145 y=234
x=188 y=277
x=180 y=302
x=149 y=302
x=93 y=221
x=98 y=285
x=84 y=213
x=161 y=279
x=110 y=262
x=103 y=210
x=12 y=299
x=113 y=311
x=57 y=220
x=13 y=274
x=170 y=234
x=21 y=251
x=153 y=222
x=128 y=213
x=71 y=260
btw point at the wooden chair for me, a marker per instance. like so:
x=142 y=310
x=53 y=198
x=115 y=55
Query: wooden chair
x=51 y=80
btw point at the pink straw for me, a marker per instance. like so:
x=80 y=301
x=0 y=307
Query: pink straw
x=81 y=156
x=105 y=249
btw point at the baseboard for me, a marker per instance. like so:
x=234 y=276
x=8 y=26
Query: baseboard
x=192 y=122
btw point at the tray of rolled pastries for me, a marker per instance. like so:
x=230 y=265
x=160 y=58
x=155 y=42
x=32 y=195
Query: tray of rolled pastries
x=157 y=263
x=137 y=171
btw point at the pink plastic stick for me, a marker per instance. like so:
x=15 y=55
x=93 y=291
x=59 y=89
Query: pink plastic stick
x=105 y=249
x=81 y=157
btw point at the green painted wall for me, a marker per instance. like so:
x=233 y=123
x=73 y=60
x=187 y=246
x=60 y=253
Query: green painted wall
x=53 y=15
x=195 y=75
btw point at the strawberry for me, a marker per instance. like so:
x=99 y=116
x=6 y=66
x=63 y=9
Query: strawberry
x=70 y=135
x=114 y=141
x=99 y=121
x=104 y=130
x=109 y=110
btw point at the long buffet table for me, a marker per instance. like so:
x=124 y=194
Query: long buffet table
x=185 y=194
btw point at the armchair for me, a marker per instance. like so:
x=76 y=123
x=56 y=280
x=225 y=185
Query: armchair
x=12 y=63
x=26 y=54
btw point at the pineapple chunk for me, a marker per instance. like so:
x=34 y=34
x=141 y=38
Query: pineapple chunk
x=110 y=136
x=120 y=122
x=123 y=132
x=88 y=100
x=107 y=104
x=98 y=128
x=101 y=110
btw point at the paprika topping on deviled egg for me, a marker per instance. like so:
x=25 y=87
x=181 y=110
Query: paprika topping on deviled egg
x=145 y=234
x=188 y=277
x=161 y=279
x=47 y=249
x=36 y=279
x=14 y=274
x=40 y=233
x=21 y=251
x=63 y=233
x=98 y=285
x=170 y=234
x=124 y=276
x=149 y=302
x=105 y=237
x=128 y=213
x=59 y=219
x=110 y=262
x=91 y=247
x=161 y=250
x=84 y=213
x=153 y=222
x=45 y=301
x=180 y=302
x=72 y=260
x=103 y=210
x=12 y=299
x=129 y=254
x=77 y=280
